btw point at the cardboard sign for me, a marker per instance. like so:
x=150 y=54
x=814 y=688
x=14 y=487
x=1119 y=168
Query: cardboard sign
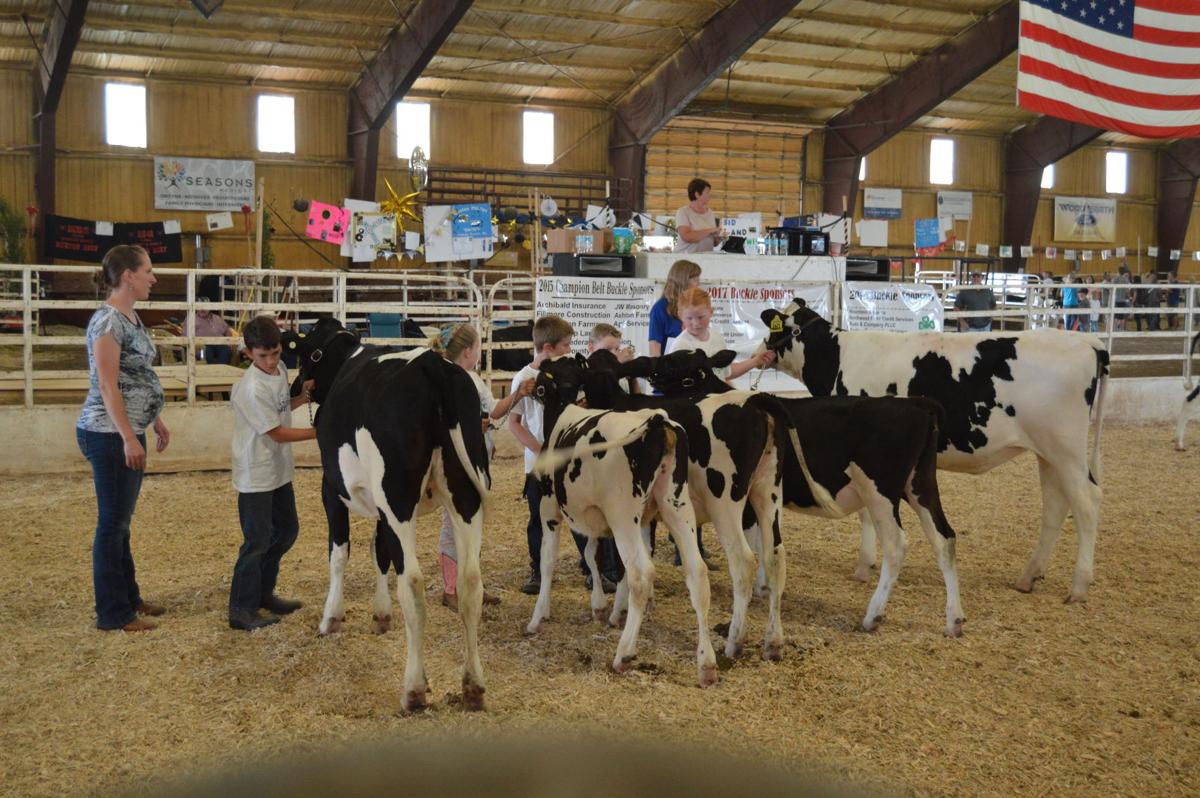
x=327 y=222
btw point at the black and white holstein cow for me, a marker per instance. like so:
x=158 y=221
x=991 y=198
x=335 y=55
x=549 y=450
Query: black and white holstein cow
x=734 y=470
x=399 y=436
x=607 y=473
x=861 y=454
x=1003 y=394
x=1191 y=404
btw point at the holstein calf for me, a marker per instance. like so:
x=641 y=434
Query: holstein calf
x=399 y=436
x=1191 y=404
x=867 y=454
x=734 y=469
x=606 y=473
x=1003 y=394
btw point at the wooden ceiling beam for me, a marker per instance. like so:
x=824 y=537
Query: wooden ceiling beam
x=876 y=22
x=1178 y=171
x=213 y=56
x=1027 y=152
x=50 y=69
x=909 y=96
x=843 y=43
x=388 y=77
x=666 y=91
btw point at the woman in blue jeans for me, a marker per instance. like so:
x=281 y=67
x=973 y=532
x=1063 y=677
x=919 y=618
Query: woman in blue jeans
x=124 y=397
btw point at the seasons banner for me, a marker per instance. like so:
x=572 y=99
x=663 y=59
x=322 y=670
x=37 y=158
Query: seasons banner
x=202 y=184
x=1084 y=219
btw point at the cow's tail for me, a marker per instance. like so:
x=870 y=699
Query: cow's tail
x=1095 y=467
x=551 y=460
x=1188 y=384
x=774 y=408
x=461 y=413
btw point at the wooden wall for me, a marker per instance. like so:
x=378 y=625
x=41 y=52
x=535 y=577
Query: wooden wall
x=752 y=167
x=211 y=119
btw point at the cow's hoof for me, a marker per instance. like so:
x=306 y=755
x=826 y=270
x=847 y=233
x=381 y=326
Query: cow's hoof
x=773 y=652
x=381 y=623
x=598 y=614
x=871 y=624
x=1075 y=598
x=624 y=664
x=708 y=675
x=331 y=626
x=1179 y=448
x=533 y=628
x=733 y=650
x=472 y=697
x=1025 y=584
x=414 y=701
x=956 y=630
x=862 y=573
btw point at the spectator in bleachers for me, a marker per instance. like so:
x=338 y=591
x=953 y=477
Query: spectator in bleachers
x=978 y=297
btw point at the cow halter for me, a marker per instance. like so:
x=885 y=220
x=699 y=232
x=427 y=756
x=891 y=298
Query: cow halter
x=316 y=355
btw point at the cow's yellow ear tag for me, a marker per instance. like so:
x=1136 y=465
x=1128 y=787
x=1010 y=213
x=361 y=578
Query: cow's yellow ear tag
x=301 y=335
x=777 y=324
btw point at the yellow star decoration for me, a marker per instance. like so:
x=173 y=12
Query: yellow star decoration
x=401 y=206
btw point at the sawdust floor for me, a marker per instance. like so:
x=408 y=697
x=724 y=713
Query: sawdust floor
x=1038 y=698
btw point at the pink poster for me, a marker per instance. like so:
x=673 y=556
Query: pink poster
x=327 y=222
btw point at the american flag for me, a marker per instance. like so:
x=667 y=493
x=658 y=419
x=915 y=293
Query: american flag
x=1127 y=65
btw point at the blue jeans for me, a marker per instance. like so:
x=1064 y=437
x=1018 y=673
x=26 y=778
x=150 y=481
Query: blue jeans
x=218 y=354
x=117 y=488
x=269 y=528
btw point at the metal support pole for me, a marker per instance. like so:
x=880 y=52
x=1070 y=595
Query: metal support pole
x=27 y=332
x=190 y=332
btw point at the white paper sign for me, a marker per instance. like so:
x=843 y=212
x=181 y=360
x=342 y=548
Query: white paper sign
x=1105 y=254
x=355 y=206
x=982 y=249
x=171 y=227
x=960 y=246
x=892 y=307
x=1026 y=252
x=1085 y=254
x=1051 y=253
x=1069 y=254
x=954 y=203
x=1152 y=252
x=746 y=225
x=872 y=232
x=202 y=184
x=1176 y=254
x=412 y=241
x=881 y=203
x=1120 y=252
x=1084 y=219
x=219 y=221
x=104 y=228
x=1005 y=251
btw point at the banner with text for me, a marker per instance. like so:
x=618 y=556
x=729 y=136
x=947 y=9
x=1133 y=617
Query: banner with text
x=1084 y=219
x=891 y=307
x=955 y=204
x=881 y=203
x=202 y=184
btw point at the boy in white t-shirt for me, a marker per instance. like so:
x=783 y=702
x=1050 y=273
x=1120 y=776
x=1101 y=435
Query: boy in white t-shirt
x=551 y=337
x=695 y=313
x=262 y=474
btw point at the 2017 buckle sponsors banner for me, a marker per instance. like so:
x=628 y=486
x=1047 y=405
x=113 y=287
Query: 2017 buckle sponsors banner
x=891 y=307
x=202 y=184
x=1084 y=219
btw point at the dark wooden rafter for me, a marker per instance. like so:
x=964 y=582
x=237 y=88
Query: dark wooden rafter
x=1178 y=170
x=389 y=76
x=62 y=29
x=926 y=83
x=1027 y=152
x=666 y=91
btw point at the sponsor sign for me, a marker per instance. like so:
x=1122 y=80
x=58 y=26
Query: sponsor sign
x=202 y=184
x=956 y=204
x=86 y=240
x=881 y=203
x=1084 y=219
x=891 y=307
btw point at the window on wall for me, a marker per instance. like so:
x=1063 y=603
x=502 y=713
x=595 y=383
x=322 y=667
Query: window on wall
x=412 y=129
x=1048 y=177
x=538 y=137
x=125 y=114
x=862 y=169
x=276 y=123
x=1116 y=169
x=941 y=161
